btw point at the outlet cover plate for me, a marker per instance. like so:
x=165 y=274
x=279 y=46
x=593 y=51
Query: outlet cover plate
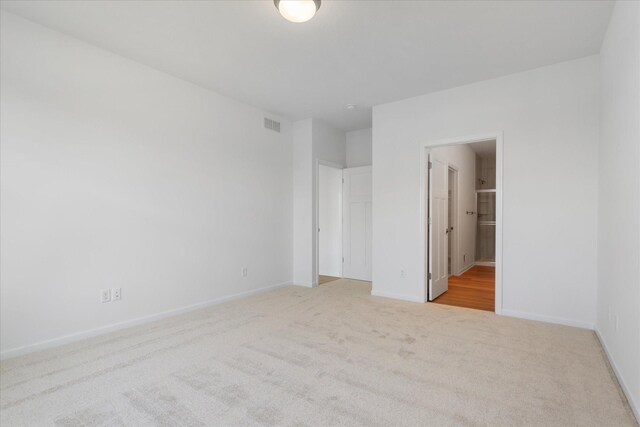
x=105 y=295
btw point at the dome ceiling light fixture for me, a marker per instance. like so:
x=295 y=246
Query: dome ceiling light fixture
x=297 y=10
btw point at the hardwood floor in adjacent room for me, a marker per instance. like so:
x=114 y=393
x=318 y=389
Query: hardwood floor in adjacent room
x=326 y=279
x=473 y=289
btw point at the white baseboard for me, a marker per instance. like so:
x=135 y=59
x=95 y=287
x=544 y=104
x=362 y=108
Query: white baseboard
x=548 y=319
x=402 y=297
x=635 y=407
x=303 y=284
x=66 y=339
x=485 y=263
x=465 y=269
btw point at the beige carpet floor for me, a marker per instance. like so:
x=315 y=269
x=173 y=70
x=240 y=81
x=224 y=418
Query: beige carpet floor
x=329 y=356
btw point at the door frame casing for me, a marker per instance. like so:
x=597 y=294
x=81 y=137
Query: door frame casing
x=453 y=242
x=425 y=148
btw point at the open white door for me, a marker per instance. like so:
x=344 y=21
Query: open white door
x=438 y=227
x=329 y=221
x=356 y=211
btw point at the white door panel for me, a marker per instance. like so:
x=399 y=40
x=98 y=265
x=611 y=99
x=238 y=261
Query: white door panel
x=438 y=227
x=357 y=233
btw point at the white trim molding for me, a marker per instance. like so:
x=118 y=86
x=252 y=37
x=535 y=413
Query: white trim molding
x=485 y=263
x=547 y=319
x=89 y=333
x=402 y=297
x=304 y=284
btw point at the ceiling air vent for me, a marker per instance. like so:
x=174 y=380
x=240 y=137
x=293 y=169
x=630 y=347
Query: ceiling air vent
x=272 y=125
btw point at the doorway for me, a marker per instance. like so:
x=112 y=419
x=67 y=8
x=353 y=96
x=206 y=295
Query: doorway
x=462 y=223
x=329 y=223
x=344 y=223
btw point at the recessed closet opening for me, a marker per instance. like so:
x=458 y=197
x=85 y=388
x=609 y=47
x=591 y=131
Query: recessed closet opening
x=329 y=223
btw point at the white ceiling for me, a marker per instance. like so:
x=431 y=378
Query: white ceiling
x=352 y=52
x=484 y=148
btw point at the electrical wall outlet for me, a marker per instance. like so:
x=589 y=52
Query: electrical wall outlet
x=116 y=294
x=464 y=257
x=244 y=271
x=402 y=274
x=105 y=295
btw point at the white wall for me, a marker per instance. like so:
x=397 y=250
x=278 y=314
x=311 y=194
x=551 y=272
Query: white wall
x=330 y=221
x=328 y=144
x=619 y=198
x=359 y=146
x=549 y=117
x=303 y=203
x=117 y=175
x=463 y=158
x=313 y=143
